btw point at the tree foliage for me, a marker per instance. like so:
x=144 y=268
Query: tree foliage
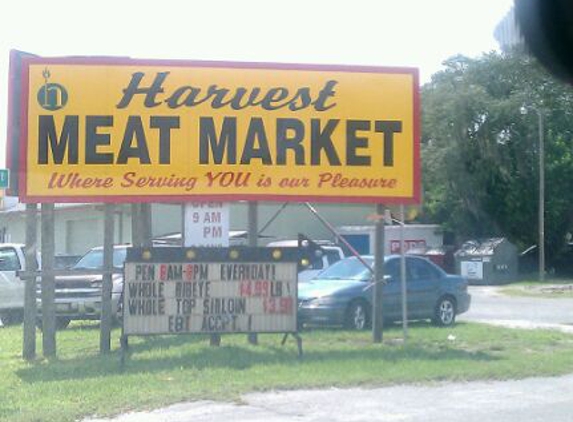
x=480 y=152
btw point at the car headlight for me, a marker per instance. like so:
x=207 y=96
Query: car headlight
x=321 y=301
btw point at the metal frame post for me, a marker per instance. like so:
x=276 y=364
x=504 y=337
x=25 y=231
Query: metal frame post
x=377 y=311
x=106 y=311
x=48 y=282
x=30 y=306
x=403 y=276
x=136 y=235
x=145 y=223
x=252 y=233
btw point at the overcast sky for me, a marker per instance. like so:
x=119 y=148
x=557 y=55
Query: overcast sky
x=416 y=33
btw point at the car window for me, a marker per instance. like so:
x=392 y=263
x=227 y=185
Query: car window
x=332 y=256
x=9 y=260
x=392 y=269
x=94 y=259
x=316 y=263
x=420 y=270
x=348 y=269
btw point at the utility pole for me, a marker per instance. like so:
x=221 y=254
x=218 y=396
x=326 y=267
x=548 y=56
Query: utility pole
x=541 y=198
x=541 y=195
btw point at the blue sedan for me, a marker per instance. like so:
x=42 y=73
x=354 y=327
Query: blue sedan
x=342 y=294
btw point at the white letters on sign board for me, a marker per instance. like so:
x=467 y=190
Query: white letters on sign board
x=210 y=297
x=206 y=224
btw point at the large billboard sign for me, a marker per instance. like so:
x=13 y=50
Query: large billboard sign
x=123 y=130
x=205 y=290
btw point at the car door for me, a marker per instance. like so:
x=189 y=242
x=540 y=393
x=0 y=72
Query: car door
x=392 y=292
x=423 y=283
x=11 y=287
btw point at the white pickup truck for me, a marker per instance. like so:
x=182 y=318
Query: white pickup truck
x=78 y=297
x=331 y=253
x=11 y=286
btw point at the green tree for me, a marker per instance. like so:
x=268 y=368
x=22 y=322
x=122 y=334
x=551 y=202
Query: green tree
x=480 y=152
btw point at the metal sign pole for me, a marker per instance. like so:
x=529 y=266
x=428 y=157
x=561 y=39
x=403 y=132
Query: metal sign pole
x=106 y=311
x=252 y=232
x=136 y=238
x=403 y=276
x=48 y=282
x=136 y=242
x=30 y=307
x=377 y=311
x=145 y=225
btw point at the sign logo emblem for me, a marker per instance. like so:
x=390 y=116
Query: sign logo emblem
x=52 y=96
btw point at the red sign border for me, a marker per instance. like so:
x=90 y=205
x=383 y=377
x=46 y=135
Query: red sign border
x=125 y=61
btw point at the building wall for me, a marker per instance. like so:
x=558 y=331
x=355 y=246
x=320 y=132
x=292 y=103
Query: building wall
x=297 y=218
x=281 y=224
x=79 y=228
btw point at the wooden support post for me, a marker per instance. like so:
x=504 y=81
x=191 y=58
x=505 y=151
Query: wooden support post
x=215 y=340
x=136 y=238
x=253 y=235
x=30 y=311
x=145 y=225
x=124 y=344
x=377 y=311
x=48 y=282
x=106 y=310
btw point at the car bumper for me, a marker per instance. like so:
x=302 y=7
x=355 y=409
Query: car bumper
x=82 y=308
x=464 y=302
x=321 y=315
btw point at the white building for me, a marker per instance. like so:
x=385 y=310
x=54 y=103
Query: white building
x=79 y=227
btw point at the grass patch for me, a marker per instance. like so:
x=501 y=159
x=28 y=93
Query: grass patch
x=553 y=288
x=169 y=369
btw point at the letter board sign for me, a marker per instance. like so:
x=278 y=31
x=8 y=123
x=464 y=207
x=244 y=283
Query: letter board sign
x=124 y=130
x=170 y=290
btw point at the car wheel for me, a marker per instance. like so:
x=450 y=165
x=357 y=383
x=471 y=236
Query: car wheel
x=357 y=316
x=445 y=312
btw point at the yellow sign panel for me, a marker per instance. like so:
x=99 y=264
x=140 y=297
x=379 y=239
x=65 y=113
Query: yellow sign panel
x=141 y=131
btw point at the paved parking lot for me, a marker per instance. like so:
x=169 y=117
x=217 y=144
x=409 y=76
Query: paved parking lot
x=488 y=305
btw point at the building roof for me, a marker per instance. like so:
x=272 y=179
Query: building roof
x=21 y=208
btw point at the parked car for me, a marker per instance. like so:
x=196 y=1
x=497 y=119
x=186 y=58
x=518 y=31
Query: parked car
x=11 y=285
x=342 y=294
x=78 y=297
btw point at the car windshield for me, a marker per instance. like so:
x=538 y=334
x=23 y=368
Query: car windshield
x=94 y=259
x=348 y=269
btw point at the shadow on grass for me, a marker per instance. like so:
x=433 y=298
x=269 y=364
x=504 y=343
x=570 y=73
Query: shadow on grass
x=157 y=354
